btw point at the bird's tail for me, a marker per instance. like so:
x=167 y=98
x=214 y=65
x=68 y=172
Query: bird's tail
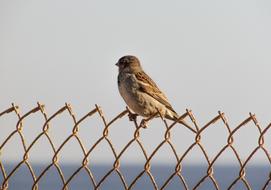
x=175 y=117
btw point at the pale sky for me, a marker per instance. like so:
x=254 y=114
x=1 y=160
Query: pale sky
x=205 y=55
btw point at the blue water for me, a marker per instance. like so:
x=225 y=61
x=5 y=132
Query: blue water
x=256 y=176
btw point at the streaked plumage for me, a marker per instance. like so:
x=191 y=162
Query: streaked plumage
x=140 y=92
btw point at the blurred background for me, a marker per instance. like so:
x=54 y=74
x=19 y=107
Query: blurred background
x=205 y=55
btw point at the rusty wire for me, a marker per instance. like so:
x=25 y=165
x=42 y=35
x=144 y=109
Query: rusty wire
x=194 y=129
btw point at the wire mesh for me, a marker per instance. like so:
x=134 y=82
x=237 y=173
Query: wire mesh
x=96 y=183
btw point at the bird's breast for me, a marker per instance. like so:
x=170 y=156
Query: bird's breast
x=128 y=88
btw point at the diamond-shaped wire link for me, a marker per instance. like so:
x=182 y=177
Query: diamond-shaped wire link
x=87 y=153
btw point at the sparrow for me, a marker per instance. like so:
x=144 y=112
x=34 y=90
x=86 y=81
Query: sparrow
x=139 y=91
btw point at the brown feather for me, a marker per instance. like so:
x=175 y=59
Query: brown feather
x=152 y=90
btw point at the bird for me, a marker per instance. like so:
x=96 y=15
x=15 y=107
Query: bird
x=141 y=94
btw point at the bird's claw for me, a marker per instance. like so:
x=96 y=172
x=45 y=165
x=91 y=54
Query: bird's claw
x=132 y=116
x=143 y=124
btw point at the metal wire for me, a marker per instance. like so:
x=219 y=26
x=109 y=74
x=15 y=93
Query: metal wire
x=146 y=171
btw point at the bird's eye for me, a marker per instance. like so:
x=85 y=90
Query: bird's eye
x=123 y=65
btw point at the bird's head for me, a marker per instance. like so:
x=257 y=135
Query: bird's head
x=129 y=64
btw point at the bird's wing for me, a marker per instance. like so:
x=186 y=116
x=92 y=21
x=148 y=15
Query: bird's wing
x=148 y=86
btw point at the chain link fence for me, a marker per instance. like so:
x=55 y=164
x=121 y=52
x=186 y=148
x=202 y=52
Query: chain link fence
x=186 y=121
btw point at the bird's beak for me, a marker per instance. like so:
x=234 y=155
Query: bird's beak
x=117 y=64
